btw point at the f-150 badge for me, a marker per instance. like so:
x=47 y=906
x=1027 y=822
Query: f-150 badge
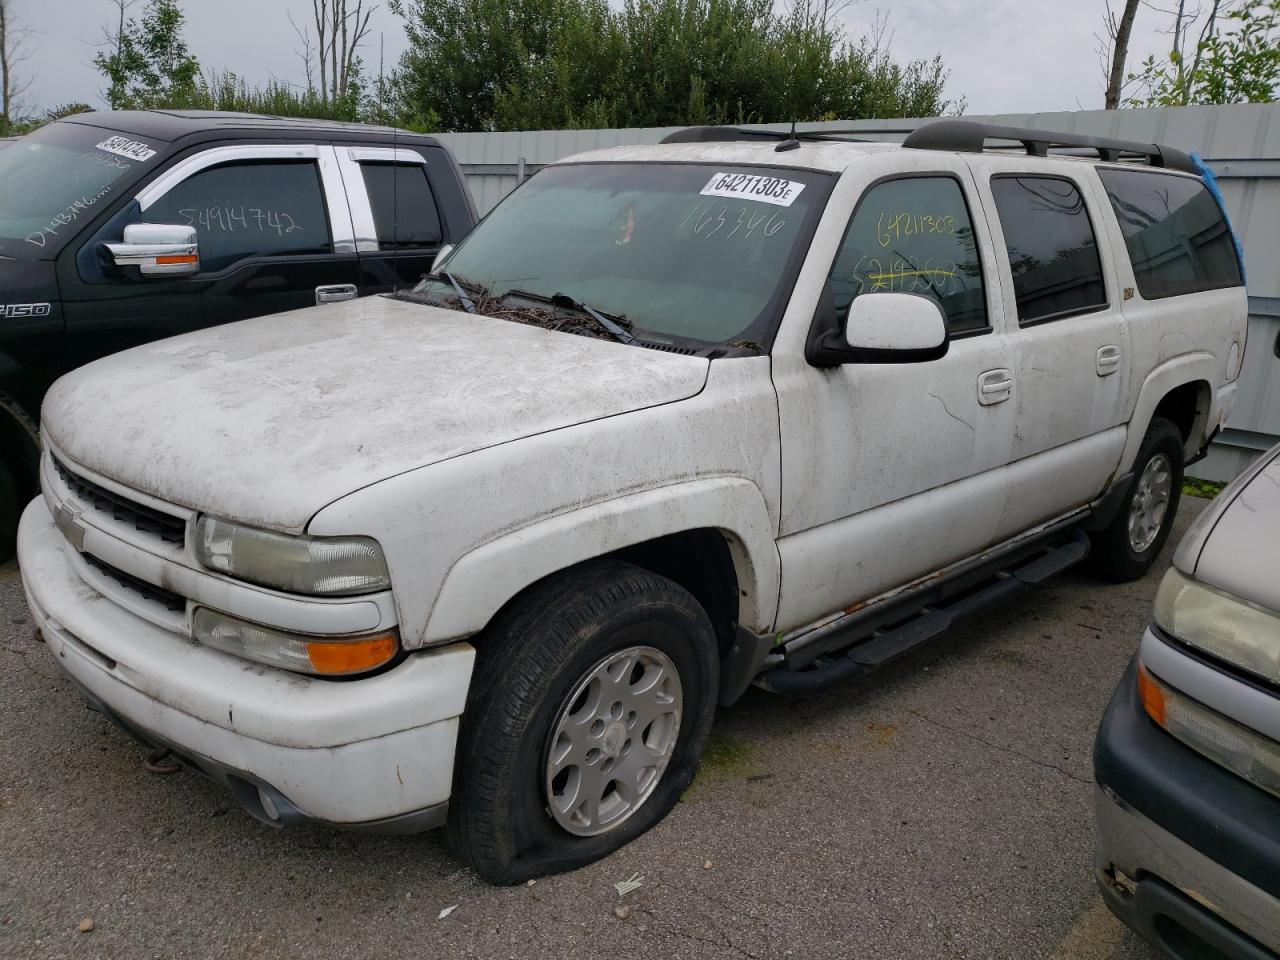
x=10 y=311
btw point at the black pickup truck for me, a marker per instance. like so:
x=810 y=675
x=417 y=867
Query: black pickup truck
x=121 y=227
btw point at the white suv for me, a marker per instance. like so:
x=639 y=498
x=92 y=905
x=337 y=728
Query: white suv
x=672 y=419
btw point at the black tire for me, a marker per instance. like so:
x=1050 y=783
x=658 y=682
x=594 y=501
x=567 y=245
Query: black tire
x=8 y=514
x=20 y=443
x=1114 y=556
x=528 y=662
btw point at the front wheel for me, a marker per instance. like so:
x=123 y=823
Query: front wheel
x=1129 y=545
x=591 y=701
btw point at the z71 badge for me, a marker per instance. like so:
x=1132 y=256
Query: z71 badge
x=9 y=311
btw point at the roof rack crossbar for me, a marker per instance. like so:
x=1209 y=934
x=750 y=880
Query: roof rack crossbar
x=968 y=136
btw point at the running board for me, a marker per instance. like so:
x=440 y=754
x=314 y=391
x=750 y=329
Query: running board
x=865 y=652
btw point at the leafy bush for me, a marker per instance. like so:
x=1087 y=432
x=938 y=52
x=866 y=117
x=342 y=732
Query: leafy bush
x=550 y=64
x=1195 y=487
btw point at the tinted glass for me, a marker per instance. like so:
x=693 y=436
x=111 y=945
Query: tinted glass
x=404 y=212
x=249 y=209
x=1177 y=239
x=913 y=236
x=1052 y=250
x=703 y=252
x=54 y=180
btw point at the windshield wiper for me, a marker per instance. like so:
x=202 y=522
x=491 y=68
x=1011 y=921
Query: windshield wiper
x=467 y=303
x=610 y=324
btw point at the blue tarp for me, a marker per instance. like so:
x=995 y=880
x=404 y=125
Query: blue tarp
x=1211 y=182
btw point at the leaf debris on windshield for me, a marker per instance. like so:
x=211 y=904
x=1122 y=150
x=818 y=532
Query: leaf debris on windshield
x=530 y=315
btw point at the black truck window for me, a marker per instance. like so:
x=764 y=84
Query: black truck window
x=404 y=211
x=1053 y=252
x=1173 y=228
x=252 y=209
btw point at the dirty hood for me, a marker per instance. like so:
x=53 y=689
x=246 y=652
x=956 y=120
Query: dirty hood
x=268 y=420
x=1241 y=552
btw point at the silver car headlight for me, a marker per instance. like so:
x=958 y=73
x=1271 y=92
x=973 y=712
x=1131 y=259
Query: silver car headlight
x=1232 y=629
x=320 y=566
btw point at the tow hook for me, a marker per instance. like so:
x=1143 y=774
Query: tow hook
x=161 y=761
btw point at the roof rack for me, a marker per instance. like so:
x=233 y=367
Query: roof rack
x=786 y=138
x=968 y=136
x=964 y=136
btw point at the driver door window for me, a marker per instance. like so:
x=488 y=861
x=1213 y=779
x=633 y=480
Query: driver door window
x=914 y=235
x=255 y=209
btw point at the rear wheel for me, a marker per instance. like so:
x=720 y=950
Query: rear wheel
x=1129 y=546
x=590 y=704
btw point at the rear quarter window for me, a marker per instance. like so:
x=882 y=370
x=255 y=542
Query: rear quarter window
x=1177 y=239
x=404 y=211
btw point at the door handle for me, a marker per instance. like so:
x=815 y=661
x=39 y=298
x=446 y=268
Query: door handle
x=336 y=292
x=995 y=386
x=1108 y=360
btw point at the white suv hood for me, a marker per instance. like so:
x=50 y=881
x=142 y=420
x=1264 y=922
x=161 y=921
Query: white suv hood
x=267 y=421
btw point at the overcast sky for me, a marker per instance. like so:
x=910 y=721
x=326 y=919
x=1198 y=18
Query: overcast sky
x=1004 y=55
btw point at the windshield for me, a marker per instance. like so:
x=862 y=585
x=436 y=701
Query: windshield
x=676 y=251
x=54 y=178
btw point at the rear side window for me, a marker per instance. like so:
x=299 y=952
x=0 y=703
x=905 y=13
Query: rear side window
x=239 y=210
x=404 y=211
x=1053 y=252
x=1178 y=242
x=913 y=235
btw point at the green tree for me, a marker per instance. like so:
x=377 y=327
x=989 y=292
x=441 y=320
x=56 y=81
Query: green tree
x=147 y=64
x=1236 y=59
x=538 y=64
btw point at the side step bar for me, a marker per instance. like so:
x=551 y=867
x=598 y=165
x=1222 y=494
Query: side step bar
x=878 y=645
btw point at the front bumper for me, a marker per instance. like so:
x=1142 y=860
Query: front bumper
x=1201 y=846
x=374 y=753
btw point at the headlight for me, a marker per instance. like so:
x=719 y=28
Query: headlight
x=323 y=566
x=323 y=656
x=1234 y=630
x=1245 y=752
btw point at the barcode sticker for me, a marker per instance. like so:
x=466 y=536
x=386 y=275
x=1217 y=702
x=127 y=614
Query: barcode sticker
x=749 y=186
x=124 y=147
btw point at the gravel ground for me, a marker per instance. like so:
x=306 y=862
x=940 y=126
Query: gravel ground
x=941 y=809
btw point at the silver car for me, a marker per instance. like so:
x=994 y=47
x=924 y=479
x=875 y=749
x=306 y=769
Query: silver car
x=1187 y=758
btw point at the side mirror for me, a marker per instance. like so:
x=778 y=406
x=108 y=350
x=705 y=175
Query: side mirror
x=904 y=324
x=440 y=257
x=157 y=250
x=880 y=328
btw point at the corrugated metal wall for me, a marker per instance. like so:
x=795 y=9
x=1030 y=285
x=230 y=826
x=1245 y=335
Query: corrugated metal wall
x=1240 y=143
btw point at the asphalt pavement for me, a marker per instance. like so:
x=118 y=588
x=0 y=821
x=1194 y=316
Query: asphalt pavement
x=940 y=809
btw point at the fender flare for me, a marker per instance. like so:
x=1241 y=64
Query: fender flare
x=1188 y=368
x=481 y=581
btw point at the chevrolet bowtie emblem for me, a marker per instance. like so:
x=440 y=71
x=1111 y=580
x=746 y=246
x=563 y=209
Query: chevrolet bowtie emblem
x=67 y=520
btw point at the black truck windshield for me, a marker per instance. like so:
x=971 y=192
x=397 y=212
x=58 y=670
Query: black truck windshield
x=696 y=252
x=54 y=179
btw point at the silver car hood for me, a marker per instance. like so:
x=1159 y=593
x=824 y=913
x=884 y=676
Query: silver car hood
x=269 y=420
x=1235 y=544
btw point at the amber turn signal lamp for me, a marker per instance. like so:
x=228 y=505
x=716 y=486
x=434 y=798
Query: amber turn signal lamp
x=351 y=656
x=1151 y=695
x=178 y=258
